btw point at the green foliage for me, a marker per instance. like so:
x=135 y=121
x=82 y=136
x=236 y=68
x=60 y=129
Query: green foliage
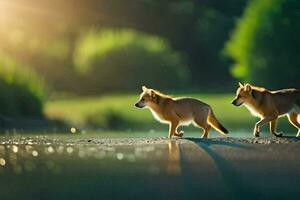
x=265 y=44
x=126 y=59
x=22 y=92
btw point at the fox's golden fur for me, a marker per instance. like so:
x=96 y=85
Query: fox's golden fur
x=179 y=111
x=269 y=105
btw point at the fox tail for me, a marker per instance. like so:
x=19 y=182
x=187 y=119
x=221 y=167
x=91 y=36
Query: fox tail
x=212 y=120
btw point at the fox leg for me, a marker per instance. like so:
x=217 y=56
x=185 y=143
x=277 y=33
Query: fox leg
x=293 y=120
x=206 y=131
x=273 y=125
x=201 y=122
x=173 y=128
x=260 y=123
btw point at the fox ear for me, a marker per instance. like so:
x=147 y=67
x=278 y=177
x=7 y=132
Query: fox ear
x=153 y=94
x=241 y=84
x=248 y=88
x=144 y=88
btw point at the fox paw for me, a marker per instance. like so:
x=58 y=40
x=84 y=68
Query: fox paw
x=180 y=134
x=204 y=136
x=280 y=134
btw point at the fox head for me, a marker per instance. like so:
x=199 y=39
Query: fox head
x=147 y=98
x=243 y=94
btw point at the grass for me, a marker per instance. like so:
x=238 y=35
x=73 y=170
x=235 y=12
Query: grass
x=79 y=112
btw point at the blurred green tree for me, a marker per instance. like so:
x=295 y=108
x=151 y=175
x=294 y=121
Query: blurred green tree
x=22 y=92
x=118 y=60
x=265 y=44
x=48 y=33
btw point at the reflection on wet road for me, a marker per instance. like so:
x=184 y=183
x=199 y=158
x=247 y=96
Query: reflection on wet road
x=174 y=165
x=170 y=169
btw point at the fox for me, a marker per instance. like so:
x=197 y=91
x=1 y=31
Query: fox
x=179 y=111
x=269 y=106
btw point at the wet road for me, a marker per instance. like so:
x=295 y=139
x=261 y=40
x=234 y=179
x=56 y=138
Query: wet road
x=149 y=168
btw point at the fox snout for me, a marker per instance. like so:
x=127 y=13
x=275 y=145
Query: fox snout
x=138 y=105
x=235 y=102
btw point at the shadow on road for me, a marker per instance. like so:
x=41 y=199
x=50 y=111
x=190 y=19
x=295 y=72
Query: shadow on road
x=208 y=142
x=237 y=188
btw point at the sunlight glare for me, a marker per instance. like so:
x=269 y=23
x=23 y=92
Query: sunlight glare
x=35 y=153
x=2 y=162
